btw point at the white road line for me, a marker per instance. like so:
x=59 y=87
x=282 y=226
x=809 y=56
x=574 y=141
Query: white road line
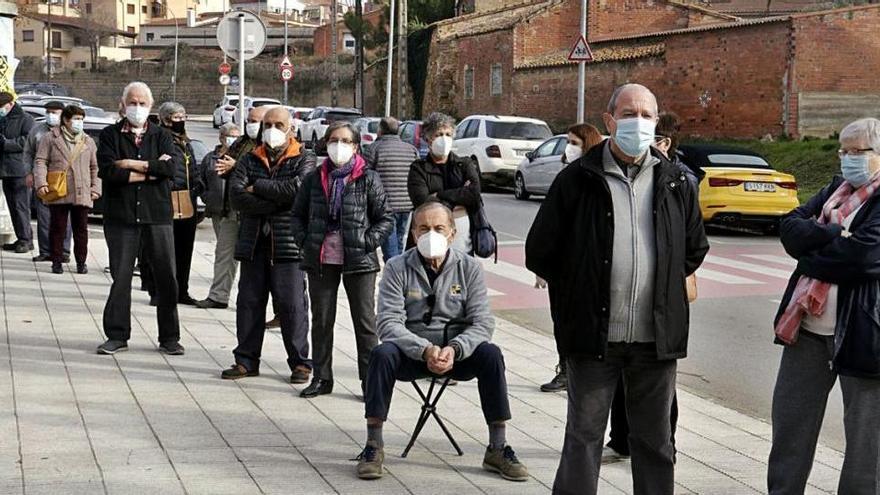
x=782 y=260
x=748 y=267
x=510 y=271
x=724 y=278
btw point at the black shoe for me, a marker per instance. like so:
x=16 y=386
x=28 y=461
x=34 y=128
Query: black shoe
x=187 y=300
x=57 y=268
x=23 y=247
x=11 y=246
x=559 y=383
x=317 y=387
x=300 y=374
x=154 y=301
x=82 y=269
x=41 y=258
x=172 y=349
x=65 y=258
x=210 y=304
x=275 y=322
x=112 y=347
x=237 y=371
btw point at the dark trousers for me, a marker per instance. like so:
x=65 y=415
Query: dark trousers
x=123 y=244
x=394 y=243
x=18 y=200
x=620 y=424
x=323 y=290
x=388 y=365
x=79 y=221
x=650 y=386
x=43 y=223
x=184 y=243
x=287 y=283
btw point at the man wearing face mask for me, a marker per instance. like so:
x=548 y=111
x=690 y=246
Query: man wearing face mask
x=421 y=291
x=263 y=186
x=16 y=171
x=617 y=234
x=137 y=162
x=53 y=120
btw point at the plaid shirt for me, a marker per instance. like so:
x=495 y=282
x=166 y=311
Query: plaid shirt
x=138 y=136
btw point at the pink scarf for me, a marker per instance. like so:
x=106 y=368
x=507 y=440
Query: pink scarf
x=810 y=296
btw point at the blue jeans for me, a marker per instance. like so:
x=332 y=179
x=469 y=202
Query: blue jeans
x=394 y=243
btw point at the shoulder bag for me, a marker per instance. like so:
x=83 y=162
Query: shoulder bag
x=56 y=180
x=181 y=201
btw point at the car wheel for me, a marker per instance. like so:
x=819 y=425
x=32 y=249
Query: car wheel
x=519 y=188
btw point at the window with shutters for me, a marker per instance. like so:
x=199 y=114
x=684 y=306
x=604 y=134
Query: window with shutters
x=468 y=83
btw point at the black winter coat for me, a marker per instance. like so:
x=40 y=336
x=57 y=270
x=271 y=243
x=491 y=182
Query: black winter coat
x=853 y=264
x=570 y=245
x=366 y=219
x=275 y=190
x=446 y=181
x=137 y=203
x=14 y=130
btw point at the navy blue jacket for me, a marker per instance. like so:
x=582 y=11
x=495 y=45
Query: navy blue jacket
x=853 y=264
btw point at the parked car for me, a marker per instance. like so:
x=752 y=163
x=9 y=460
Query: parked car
x=498 y=143
x=224 y=110
x=299 y=115
x=251 y=103
x=739 y=187
x=368 y=127
x=40 y=100
x=411 y=132
x=40 y=88
x=94 y=115
x=313 y=130
x=538 y=169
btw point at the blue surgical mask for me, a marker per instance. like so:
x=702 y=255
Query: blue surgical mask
x=634 y=136
x=230 y=140
x=76 y=126
x=3 y=112
x=855 y=169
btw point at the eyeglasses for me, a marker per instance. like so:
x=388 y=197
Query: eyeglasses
x=429 y=314
x=337 y=140
x=856 y=152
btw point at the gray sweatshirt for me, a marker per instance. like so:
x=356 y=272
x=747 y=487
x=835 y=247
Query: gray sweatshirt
x=634 y=255
x=460 y=293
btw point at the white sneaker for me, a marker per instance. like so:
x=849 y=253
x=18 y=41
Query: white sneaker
x=611 y=456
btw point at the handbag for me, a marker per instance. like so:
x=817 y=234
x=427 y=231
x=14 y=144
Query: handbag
x=484 y=239
x=691 y=282
x=56 y=180
x=181 y=201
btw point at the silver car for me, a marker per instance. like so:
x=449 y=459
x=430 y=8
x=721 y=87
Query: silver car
x=538 y=169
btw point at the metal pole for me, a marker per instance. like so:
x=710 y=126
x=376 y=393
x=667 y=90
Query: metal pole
x=174 y=76
x=402 y=61
x=359 y=57
x=390 y=60
x=582 y=66
x=285 y=47
x=241 y=115
x=49 y=42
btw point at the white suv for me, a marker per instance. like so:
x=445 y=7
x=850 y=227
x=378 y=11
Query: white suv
x=224 y=112
x=498 y=143
x=312 y=131
x=254 y=102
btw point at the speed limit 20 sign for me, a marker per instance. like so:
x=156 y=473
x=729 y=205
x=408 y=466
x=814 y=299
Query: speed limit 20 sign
x=286 y=69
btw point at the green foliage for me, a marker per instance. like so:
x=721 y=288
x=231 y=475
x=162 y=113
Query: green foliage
x=424 y=12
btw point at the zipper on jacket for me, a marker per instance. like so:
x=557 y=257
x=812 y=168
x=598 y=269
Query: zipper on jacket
x=634 y=218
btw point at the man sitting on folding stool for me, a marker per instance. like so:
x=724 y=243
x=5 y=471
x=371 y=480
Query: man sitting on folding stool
x=421 y=291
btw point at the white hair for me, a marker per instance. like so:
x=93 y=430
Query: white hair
x=867 y=129
x=612 y=103
x=139 y=86
x=226 y=128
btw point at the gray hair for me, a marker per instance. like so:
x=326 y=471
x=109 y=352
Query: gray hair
x=432 y=205
x=389 y=126
x=169 y=108
x=226 y=128
x=434 y=122
x=612 y=103
x=341 y=124
x=867 y=128
x=137 y=85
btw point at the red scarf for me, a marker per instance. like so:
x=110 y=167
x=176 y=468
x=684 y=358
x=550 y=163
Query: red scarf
x=810 y=295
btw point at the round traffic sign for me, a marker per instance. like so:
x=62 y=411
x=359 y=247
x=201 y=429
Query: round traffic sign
x=286 y=74
x=224 y=79
x=238 y=26
x=224 y=68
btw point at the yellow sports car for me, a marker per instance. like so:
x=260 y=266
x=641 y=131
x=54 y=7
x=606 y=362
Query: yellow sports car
x=738 y=188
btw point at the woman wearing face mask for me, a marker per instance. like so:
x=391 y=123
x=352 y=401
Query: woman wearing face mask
x=340 y=218
x=172 y=115
x=829 y=315
x=68 y=148
x=446 y=177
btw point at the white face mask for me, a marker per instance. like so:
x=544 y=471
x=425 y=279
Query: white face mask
x=137 y=115
x=441 y=146
x=53 y=119
x=76 y=126
x=572 y=153
x=433 y=245
x=339 y=153
x=252 y=129
x=634 y=135
x=274 y=138
x=230 y=140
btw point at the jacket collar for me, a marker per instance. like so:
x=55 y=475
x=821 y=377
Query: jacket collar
x=593 y=163
x=262 y=153
x=414 y=262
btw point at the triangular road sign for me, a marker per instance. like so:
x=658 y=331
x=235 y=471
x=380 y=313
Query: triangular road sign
x=285 y=62
x=581 y=52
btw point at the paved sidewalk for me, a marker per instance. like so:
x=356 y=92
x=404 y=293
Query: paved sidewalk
x=74 y=422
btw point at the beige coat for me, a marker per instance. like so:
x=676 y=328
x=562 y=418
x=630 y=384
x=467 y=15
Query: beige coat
x=53 y=154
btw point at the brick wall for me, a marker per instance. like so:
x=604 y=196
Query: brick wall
x=613 y=18
x=555 y=29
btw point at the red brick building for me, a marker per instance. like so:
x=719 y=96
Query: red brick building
x=344 y=39
x=799 y=74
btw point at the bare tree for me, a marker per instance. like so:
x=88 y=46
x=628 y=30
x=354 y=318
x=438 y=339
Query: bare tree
x=95 y=27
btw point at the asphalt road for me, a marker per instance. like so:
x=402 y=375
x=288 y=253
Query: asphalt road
x=732 y=358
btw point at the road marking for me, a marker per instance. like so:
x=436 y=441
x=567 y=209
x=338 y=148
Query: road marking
x=724 y=278
x=510 y=271
x=782 y=260
x=748 y=267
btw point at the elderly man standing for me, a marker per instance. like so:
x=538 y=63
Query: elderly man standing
x=616 y=236
x=16 y=171
x=391 y=158
x=137 y=162
x=421 y=292
x=264 y=184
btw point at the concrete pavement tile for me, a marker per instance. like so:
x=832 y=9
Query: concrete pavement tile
x=120 y=457
x=258 y=439
x=144 y=487
x=220 y=485
x=67 y=488
x=221 y=455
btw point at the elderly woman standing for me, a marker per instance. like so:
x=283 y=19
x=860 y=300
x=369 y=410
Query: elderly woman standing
x=340 y=217
x=172 y=115
x=445 y=177
x=67 y=149
x=830 y=315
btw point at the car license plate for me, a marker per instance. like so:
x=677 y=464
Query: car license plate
x=522 y=152
x=760 y=187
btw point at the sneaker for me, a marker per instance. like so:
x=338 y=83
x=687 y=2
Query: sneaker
x=300 y=374
x=112 y=347
x=237 y=371
x=210 y=304
x=559 y=383
x=611 y=456
x=370 y=462
x=504 y=462
x=41 y=258
x=57 y=268
x=274 y=322
x=82 y=269
x=172 y=349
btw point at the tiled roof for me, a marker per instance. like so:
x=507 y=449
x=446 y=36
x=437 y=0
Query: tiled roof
x=600 y=54
x=79 y=23
x=776 y=6
x=697 y=29
x=489 y=21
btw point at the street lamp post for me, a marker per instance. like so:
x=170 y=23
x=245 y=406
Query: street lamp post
x=176 y=38
x=285 y=48
x=390 y=61
x=49 y=41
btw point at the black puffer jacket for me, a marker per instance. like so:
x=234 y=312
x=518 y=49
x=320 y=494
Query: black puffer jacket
x=14 y=130
x=447 y=181
x=275 y=189
x=366 y=219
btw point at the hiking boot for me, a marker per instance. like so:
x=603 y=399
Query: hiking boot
x=172 y=348
x=112 y=347
x=504 y=462
x=559 y=383
x=237 y=371
x=300 y=374
x=370 y=462
x=274 y=322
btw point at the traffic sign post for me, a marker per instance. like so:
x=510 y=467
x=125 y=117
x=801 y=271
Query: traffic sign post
x=241 y=35
x=286 y=69
x=581 y=52
x=224 y=79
